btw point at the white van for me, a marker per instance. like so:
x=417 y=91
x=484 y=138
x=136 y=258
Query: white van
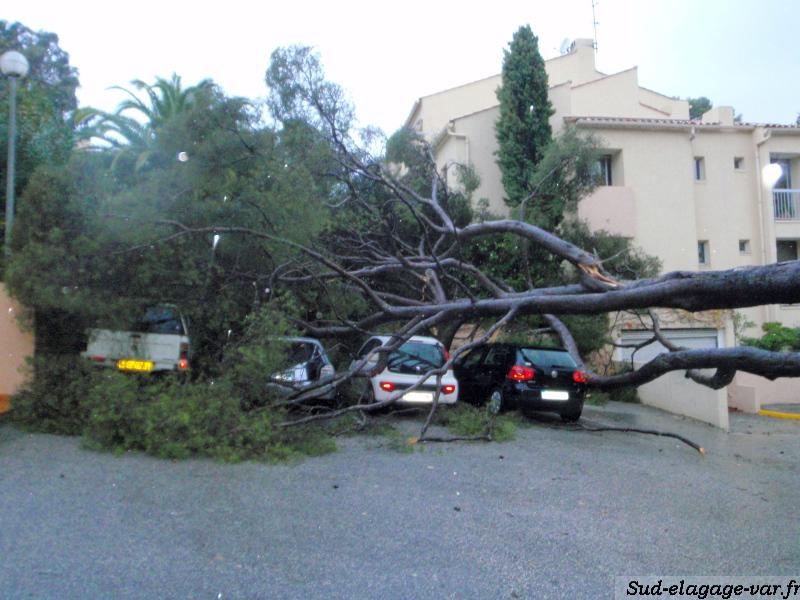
x=158 y=342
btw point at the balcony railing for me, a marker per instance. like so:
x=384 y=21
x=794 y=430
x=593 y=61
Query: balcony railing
x=787 y=204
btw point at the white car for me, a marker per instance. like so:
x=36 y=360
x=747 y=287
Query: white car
x=404 y=368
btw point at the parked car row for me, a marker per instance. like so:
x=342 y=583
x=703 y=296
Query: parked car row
x=503 y=376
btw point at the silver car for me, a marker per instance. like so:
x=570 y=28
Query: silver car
x=309 y=364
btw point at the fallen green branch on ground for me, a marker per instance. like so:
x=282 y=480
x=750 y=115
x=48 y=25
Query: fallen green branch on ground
x=472 y=424
x=119 y=413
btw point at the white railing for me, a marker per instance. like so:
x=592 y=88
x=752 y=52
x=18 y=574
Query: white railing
x=787 y=204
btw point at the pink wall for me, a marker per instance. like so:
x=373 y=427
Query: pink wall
x=15 y=346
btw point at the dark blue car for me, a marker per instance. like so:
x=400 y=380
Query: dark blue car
x=529 y=378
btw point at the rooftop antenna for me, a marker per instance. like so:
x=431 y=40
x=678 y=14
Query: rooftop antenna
x=594 y=24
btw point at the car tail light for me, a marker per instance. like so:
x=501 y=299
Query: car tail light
x=520 y=373
x=448 y=389
x=184 y=351
x=99 y=358
x=387 y=386
x=183 y=364
x=579 y=377
x=327 y=371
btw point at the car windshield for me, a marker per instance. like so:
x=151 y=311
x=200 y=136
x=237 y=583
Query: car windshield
x=416 y=357
x=548 y=358
x=297 y=352
x=160 y=320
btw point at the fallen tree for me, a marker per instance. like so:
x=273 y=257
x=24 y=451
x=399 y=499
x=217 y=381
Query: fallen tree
x=403 y=253
x=398 y=252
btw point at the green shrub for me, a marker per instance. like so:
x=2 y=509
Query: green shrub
x=113 y=419
x=597 y=398
x=628 y=394
x=776 y=338
x=50 y=401
x=624 y=394
x=251 y=362
x=170 y=420
x=119 y=412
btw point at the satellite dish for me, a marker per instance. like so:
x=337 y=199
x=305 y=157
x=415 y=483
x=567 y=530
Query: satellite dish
x=566 y=46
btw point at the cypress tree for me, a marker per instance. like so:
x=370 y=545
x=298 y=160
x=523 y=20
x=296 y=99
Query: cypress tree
x=523 y=129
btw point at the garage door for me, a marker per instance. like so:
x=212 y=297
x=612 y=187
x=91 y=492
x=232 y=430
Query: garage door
x=688 y=338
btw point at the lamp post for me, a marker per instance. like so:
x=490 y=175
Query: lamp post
x=14 y=66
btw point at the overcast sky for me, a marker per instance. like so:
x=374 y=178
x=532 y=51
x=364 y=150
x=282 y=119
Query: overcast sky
x=742 y=53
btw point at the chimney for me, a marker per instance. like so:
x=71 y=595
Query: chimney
x=719 y=114
x=582 y=43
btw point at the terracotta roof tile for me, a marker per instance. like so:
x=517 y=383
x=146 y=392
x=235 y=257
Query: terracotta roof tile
x=678 y=122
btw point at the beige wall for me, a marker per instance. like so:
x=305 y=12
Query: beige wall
x=576 y=67
x=561 y=98
x=436 y=110
x=612 y=209
x=476 y=131
x=665 y=226
x=749 y=393
x=576 y=88
x=16 y=345
x=675 y=393
x=676 y=109
x=616 y=95
x=726 y=201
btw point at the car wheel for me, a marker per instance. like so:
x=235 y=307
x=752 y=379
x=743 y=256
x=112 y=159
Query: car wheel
x=369 y=394
x=495 y=403
x=571 y=416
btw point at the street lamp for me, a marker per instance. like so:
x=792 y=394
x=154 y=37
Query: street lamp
x=14 y=66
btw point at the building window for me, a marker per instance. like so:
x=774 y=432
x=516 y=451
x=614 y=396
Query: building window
x=699 y=168
x=744 y=246
x=785 y=180
x=738 y=163
x=787 y=250
x=702 y=252
x=418 y=125
x=602 y=170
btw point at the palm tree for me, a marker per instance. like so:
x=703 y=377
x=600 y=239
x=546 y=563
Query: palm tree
x=167 y=98
x=134 y=137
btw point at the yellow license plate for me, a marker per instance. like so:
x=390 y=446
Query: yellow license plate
x=130 y=364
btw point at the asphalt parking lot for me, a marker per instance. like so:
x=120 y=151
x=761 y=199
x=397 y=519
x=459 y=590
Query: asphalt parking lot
x=553 y=514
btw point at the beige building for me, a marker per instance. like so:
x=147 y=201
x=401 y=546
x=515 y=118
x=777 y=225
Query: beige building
x=692 y=192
